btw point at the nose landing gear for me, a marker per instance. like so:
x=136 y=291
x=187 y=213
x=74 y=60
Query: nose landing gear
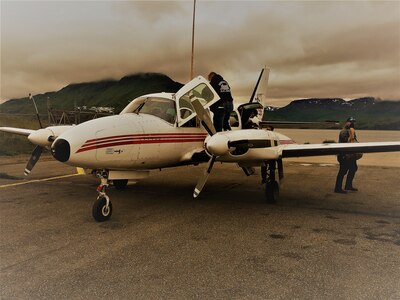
x=102 y=207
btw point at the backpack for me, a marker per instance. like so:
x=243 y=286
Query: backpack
x=344 y=135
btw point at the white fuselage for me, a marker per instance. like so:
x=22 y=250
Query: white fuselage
x=131 y=141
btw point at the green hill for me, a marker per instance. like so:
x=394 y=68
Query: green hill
x=370 y=113
x=110 y=93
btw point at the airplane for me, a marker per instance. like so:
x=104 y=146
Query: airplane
x=164 y=130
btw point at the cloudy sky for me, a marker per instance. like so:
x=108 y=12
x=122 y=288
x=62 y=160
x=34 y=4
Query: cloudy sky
x=341 y=49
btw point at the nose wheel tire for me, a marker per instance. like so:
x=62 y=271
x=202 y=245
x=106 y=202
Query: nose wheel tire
x=101 y=211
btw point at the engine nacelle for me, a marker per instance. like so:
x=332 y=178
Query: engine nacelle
x=246 y=145
x=46 y=136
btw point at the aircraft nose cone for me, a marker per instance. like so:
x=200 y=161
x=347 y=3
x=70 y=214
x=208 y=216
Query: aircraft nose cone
x=61 y=150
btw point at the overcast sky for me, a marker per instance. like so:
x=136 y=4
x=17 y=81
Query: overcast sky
x=314 y=48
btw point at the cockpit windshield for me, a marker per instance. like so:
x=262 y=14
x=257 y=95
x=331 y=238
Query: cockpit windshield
x=159 y=107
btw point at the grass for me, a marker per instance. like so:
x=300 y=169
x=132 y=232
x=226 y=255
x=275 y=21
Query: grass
x=11 y=144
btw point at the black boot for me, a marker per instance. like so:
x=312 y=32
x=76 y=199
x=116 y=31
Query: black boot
x=353 y=189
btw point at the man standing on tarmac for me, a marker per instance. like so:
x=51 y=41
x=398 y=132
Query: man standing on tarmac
x=222 y=108
x=348 y=162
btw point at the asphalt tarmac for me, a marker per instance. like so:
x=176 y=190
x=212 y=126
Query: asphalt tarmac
x=227 y=244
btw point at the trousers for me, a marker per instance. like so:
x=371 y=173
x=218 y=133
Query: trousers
x=349 y=167
x=218 y=118
x=228 y=108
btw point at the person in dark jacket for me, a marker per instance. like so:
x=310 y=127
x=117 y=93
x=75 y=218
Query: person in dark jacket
x=348 y=162
x=224 y=106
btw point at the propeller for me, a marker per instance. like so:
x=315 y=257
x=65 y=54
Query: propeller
x=203 y=115
x=203 y=179
x=206 y=121
x=38 y=149
x=33 y=160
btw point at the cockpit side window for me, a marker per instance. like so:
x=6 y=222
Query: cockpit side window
x=159 y=107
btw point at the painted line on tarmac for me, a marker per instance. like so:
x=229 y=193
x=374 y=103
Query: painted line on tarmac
x=38 y=180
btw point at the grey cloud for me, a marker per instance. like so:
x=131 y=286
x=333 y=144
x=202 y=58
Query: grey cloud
x=310 y=55
x=152 y=11
x=371 y=44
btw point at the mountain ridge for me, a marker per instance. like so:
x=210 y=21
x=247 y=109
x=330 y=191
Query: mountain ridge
x=370 y=112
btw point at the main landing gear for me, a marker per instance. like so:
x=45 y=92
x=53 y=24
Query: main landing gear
x=102 y=207
x=268 y=169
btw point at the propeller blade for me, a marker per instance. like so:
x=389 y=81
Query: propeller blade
x=36 y=109
x=202 y=181
x=203 y=116
x=33 y=160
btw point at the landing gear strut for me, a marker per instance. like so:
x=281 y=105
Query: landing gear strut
x=268 y=178
x=102 y=207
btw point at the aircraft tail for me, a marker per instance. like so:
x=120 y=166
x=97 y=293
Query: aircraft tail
x=260 y=90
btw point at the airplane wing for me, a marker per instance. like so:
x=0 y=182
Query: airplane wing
x=42 y=138
x=295 y=150
x=19 y=131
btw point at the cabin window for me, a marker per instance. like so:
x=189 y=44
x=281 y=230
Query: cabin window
x=159 y=107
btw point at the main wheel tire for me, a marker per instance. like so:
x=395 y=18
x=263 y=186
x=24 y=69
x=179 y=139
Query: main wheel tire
x=272 y=192
x=120 y=184
x=100 y=212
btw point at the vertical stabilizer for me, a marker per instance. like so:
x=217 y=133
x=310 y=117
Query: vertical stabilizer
x=260 y=90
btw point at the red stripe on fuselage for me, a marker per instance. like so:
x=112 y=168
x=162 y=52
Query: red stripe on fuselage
x=140 y=141
x=141 y=136
x=146 y=135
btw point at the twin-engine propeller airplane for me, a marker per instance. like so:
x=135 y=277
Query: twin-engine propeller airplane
x=161 y=130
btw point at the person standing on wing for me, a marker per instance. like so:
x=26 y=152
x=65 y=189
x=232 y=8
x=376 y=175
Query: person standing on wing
x=222 y=108
x=348 y=162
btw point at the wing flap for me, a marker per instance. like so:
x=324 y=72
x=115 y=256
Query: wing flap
x=19 y=131
x=295 y=150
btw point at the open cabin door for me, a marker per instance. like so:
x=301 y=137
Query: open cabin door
x=200 y=88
